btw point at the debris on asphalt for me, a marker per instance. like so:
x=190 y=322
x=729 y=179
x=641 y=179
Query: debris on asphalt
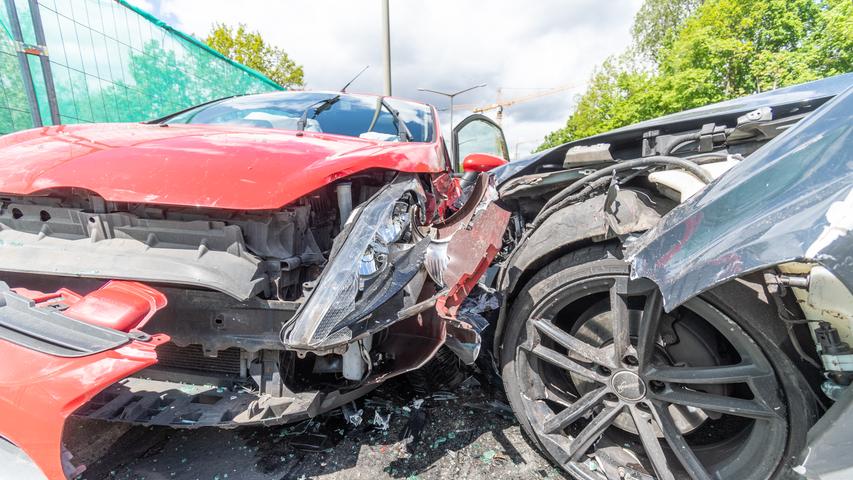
x=443 y=396
x=492 y=406
x=352 y=414
x=381 y=422
x=393 y=433
x=312 y=442
x=411 y=435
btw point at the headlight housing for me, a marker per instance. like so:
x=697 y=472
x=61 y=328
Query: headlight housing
x=362 y=254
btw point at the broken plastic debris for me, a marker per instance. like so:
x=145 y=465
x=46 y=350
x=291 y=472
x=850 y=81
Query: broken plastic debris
x=351 y=414
x=470 y=382
x=411 y=435
x=380 y=422
x=443 y=396
x=494 y=406
x=312 y=442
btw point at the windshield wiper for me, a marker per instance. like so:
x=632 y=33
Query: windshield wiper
x=318 y=107
x=402 y=129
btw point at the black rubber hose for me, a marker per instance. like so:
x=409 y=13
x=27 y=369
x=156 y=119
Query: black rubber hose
x=712 y=157
x=679 y=140
x=688 y=165
x=555 y=203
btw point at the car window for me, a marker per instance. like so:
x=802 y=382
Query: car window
x=479 y=136
x=351 y=115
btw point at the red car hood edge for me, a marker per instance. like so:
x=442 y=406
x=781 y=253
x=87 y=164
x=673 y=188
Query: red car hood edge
x=226 y=167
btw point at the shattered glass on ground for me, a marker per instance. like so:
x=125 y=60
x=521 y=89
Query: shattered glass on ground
x=394 y=433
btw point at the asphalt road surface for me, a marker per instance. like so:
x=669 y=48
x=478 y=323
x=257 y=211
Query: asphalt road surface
x=466 y=433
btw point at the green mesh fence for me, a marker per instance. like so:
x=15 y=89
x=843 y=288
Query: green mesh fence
x=108 y=62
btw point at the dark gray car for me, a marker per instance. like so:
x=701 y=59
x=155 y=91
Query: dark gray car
x=713 y=355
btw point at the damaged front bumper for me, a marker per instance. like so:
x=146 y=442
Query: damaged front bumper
x=64 y=355
x=52 y=365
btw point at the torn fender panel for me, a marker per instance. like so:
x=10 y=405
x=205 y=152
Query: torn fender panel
x=791 y=200
x=39 y=390
x=473 y=236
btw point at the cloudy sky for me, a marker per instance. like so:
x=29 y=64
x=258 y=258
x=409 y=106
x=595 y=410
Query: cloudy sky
x=447 y=45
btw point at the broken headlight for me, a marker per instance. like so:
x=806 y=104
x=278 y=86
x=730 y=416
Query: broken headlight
x=361 y=256
x=375 y=257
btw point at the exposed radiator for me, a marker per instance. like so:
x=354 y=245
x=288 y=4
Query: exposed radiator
x=192 y=358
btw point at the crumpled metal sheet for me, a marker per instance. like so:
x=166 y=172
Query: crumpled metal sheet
x=789 y=201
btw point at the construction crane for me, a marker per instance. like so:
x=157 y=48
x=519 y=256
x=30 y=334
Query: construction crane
x=500 y=104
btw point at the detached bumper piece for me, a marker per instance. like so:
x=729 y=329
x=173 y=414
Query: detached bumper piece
x=41 y=326
x=144 y=401
x=57 y=353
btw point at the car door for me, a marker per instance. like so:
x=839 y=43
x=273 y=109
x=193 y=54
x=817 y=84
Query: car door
x=478 y=134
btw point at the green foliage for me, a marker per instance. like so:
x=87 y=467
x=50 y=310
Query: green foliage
x=250 y=49
x=724 y=49
x=656 y=23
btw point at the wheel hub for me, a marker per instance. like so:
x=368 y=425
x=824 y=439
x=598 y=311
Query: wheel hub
x=608 y=368
x=628 y=386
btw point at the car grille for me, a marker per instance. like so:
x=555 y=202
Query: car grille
x=192 y=357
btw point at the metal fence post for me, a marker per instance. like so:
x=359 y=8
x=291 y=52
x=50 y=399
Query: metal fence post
x=45 y=62
x=26 y=73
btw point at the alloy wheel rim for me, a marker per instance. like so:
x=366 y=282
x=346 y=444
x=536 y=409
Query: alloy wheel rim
x=630 y=382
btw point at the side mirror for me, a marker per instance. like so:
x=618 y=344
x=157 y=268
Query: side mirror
x=481 y=162
x=478 y=133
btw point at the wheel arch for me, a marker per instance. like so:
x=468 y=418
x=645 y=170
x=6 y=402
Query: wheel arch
x=572 y=228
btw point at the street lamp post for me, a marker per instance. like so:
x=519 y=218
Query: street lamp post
x=451 y=96
x=386 y=47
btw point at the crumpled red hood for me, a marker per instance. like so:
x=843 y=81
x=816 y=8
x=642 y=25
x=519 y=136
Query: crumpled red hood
x=195 y=165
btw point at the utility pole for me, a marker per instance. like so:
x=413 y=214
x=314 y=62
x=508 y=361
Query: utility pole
x=451 y=96
x=386 y=44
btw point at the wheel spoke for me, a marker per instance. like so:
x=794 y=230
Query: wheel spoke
x=706 y=375
x=559 y=360
x=565 y=418
x=648 y=329
x=651 y=444
x=717 y=403
x=554 y=395
x=571 y=343
x=676 y=441
x=619 y=314
x=593 y=430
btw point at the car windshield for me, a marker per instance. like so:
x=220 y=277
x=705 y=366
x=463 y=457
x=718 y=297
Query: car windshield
x=361 y=116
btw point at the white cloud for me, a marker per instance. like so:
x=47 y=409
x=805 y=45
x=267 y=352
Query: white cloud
x=440 y=44
x=144 y=5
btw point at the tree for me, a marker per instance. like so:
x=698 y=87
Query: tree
x=610 y=101
x=724 y=49
x=656 y=23
x=250 y=49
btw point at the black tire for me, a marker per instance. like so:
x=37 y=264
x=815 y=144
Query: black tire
x=741 y=302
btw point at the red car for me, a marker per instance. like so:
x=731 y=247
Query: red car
x=254 y=260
